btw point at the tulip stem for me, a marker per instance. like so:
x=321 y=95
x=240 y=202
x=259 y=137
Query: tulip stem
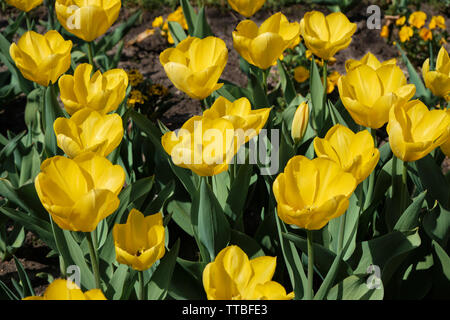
x=141 y=285
x=27 y=19
x=430 y=49
x=309 y=289
x=325 y=75
x=90 y=54
x=404 y=194
x=94 y=261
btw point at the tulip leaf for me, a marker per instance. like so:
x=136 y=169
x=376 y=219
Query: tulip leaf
x=247 y=244
x=202 y=28
x=180 y=212
x=373 y=252
x=437 y=224
x=177 y=32
x=259 y=97
x=287 y=84
x=157 y=204
x=9 y=294
x=162 y=276
x=189 y=15
x=209 y=221
x=237 y=196
x=433 y=180
x=117 y=282
x=340 y=115
x=410 y=217
x=52 y=110
x=186 y=281
x=317 y=97
x=442 y=273
x=356 y=287
x=24 y=279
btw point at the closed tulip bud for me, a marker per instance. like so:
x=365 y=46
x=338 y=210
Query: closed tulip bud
x=195 y=65
x=300 y=122
x=89 y=19
x=101 y=92
x=368 y=94
x=79 y=193
x=310 y=193
x=61 y=289
x=354 y=152
x=25 y=5
x=139 y=242
x=262 y=46
x=325 y=36
x=204 y=145
x=41 y=58
x=233 y=276
x=247 y=123
x=414 y=131
x=246 y=7
x=438 y=80
x=88 y=131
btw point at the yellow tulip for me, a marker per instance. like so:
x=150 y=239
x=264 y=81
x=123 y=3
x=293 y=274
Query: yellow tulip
x=204 y=145
x=369 y=60
x=246 y=7
x=42 y=58
x=301 y=74
x=87 y=19
x=405 y=33
x=354 y=152
x=445 y=147
x=25 y=5
x=414 y=131
x=247 y=123
x=400 y=21
x=195 y=65
x=233 y=276
x=262 y=46
x=310 y=193
x=437 y=21
x=139 y=242
x=325 y=36
x=102 y=93
x=384 y=32
x=332 y=81
x=61 y=289
x=368 y=94
x=417 y=19
x=89 y=131
x=78 y=193
x=300 y=122
x=426 y=34
x=438 y=81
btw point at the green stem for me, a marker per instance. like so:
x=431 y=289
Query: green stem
x=91 y=55
x=394 y=173
x=265 y=74
x=94 y=261
x=141 y=285
x=27 y=19
x=309 y=289
x=50 y=9
x=430 y=49
x=325 y=75
x=62 y=264
x=404 y=194
x=341 y=232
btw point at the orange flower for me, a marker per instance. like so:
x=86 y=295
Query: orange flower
x=426 y=34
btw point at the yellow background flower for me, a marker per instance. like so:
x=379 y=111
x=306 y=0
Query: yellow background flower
x=246 y=7
x=25 y=5
x=61 y=289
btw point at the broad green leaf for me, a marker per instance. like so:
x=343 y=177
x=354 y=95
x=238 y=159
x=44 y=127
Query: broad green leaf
x=410 y=217
x=177 y=32
x=437 y=224
x=287 y=85
x=24 y=279
x=202 y=28
x=247 y=244
x=181 y=214
x=355 y=287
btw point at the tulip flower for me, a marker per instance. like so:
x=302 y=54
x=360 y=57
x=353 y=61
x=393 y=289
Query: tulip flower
x=445 y=147
x=247 y=123
x=354 y=152
x=400 y=21
x=368 y=94
x=102 y=93
x=139 y=242
x=262 y=46
x=300 y=122
x=301 y=74
x=414 y=131
x=246 y=7
x=195 y=65
x=325 y=36
x=78 y=193
x=310 y=193
x=61 y=289
x=332 y=81
x=369 y=60
x=233 y=276
x=204 y=145
x=417 y=19
x=438 y=81
x=87 y=20
x=88 y=131
x=405 y=33
x=25 y=5
x=42 y=58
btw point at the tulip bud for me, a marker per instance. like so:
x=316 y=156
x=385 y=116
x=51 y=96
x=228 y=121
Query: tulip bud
x=300 y=122
x=438 y=81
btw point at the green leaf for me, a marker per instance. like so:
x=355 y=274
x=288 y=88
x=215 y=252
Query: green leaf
x=247 y=244
x=9 y=294
x=161 y=278
x=52 y=110
x=443 y=270
x=117 y=282
x=317 y=95
x=180 y=212
x=287 y=85
x=189 y=15
x=202 y=28
x=209 y=222
x=177 y=32
x=433 y=180
x=24 y=279
x=437 y=225
x=355 y=287
x=162 y=197
x=184 y=285
x=410 y=217
x=237 y=196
